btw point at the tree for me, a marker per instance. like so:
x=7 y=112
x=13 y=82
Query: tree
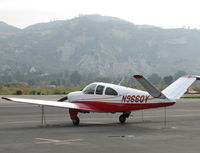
x=179 y=73
x=168 y=80
x=66 y=73
x=155 y=78
x=75 y=78
x=103 y=79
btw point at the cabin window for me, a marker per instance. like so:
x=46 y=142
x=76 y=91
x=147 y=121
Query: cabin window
x=99 y=90
x=90 y=89
x=110 y=91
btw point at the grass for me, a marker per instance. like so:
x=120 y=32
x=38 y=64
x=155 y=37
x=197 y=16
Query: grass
x=192 y=97
x=36 y=90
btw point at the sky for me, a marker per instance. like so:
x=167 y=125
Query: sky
x=162 y=13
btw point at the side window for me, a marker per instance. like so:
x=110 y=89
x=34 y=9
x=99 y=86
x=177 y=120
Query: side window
x=89 y=89
x=99 y=90
x=110 y=91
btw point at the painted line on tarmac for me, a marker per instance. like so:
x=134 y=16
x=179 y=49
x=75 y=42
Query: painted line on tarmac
x=56 y=141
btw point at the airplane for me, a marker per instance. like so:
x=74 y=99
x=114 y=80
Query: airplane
x=110 y=98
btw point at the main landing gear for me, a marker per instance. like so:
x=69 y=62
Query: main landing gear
x=73 y=115
x=122 y=118
x=76 y=121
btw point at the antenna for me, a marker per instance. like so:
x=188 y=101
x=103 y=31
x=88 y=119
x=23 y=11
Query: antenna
x=121 y=81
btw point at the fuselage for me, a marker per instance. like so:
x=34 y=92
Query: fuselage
x=106 y=97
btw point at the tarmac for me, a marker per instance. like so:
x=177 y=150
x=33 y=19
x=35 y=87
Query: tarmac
x=144 y=132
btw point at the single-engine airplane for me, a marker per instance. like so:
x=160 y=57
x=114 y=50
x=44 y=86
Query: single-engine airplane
x=110 y=98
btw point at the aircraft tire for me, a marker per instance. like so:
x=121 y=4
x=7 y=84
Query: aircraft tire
x=76 y=121
x=122 y=118
x=127 y=114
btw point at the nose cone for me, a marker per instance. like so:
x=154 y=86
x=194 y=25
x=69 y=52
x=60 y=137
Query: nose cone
x=72 y=96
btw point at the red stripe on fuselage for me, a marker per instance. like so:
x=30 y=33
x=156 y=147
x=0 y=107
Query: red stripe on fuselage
x=121 y=107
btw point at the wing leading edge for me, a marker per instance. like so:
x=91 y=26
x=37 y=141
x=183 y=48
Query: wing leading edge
x=66 y=104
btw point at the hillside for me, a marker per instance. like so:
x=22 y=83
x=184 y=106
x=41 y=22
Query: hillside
x=98 y=44
x=7 y=28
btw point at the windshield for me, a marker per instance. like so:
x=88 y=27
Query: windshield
x=89 y=89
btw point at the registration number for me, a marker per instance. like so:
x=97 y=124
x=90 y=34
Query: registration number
x=135 y=98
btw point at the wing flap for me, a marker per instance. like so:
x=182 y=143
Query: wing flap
x=66 y=104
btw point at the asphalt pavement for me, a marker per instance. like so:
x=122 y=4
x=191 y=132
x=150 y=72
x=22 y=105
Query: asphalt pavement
x=145 y=131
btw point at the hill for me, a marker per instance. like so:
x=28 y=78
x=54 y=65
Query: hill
x=4 y=27
x=103 y=45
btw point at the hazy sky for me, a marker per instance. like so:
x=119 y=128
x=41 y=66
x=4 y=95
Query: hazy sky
x=164 y=13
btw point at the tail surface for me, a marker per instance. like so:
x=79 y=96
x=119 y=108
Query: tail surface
x=173 y=91
x=179 y=87
x=153 y=91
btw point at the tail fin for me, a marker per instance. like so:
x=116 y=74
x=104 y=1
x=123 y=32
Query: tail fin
x=179 y=87
x=149 y=87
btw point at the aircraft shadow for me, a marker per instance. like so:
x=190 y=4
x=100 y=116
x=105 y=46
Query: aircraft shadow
x=143 y=126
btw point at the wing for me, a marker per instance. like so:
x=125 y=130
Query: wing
x=66 y=104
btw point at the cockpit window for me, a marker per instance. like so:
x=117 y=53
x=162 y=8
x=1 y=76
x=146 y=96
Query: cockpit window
x=110 y=91
x=99 y=90
x=90 y=89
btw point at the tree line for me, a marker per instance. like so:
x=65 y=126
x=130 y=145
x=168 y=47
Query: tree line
x=75 y=78
x=67 y=81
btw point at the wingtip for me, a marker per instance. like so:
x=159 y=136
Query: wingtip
x=192 y=76
x=138 y=76
x=5 y=98
x=189 y=76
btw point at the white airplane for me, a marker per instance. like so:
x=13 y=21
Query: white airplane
x=110 y=98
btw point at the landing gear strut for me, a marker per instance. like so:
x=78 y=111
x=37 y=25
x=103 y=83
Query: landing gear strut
x=76 y=121
x=73 y=115
x=122 y=118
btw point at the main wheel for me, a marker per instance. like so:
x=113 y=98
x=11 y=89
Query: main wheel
x=122 y=119
x=127 y=114
x=76 y=121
